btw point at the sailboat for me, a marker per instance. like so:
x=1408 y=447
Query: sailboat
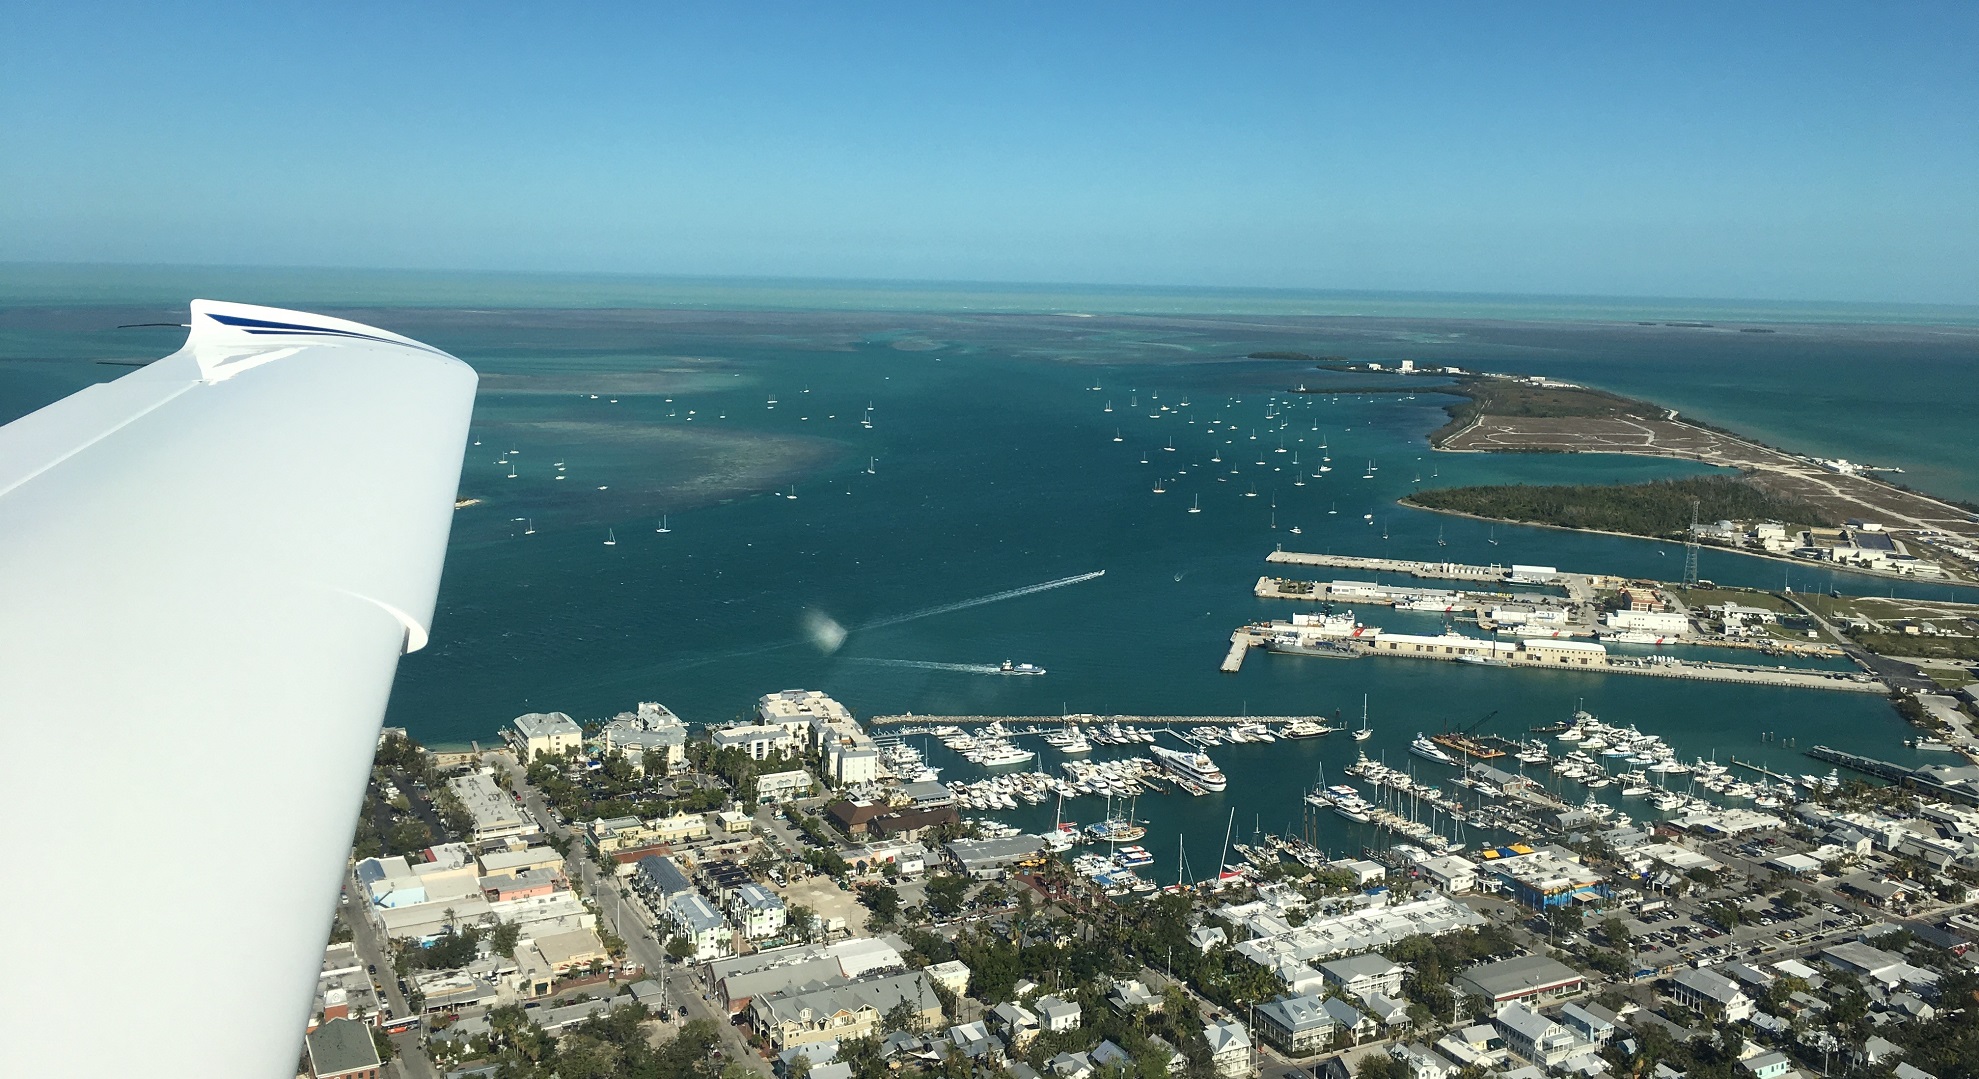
x=793 y=493
x=530 y=528
x=1108 y=408
x=1171 y=446
x=1197 y=505
x=1159 y=489
x=1492 y=538
x=610 y=539
x=511 y=471
x=1364 y=733
x=1369 y=474
x=663 y=524
x=1333 y=509
x=1252 y=493
x=1299 y=479
x=1439 y=537
x=1116 y=435
x=871 y=464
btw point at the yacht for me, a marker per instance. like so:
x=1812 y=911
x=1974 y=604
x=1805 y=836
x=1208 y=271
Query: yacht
x=1428 y=750
x=1196 y=767
x=1019 y=668
x=1302 y=728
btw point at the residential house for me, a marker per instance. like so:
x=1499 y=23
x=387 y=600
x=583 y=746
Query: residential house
x=1017 y=1023
x=1360 y=975
x=1771 y=1065
x=758 y=911
x=1130 y=993
x=1298 y=1025
x=691 y=916
x=1711 y=993
x=1535 y=1038
x=1229 y=1048
x=1058 y=1015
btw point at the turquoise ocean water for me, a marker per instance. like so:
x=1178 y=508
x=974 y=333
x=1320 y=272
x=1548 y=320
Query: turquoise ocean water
x=994 y=466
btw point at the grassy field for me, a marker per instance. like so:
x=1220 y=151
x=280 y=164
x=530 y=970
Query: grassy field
x=1711 y=597
x=1503 y=397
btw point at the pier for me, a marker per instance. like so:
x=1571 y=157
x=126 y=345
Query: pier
x=1241 y=642
x=1895 y=773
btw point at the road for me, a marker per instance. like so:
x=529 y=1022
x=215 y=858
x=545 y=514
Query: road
x=411 y=1061
x=626 y=918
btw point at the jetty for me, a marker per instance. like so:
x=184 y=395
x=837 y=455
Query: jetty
x=1241 y=642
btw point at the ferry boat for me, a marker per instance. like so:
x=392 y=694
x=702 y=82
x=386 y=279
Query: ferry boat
x=1195 y=767
x=1428 y=750
x=1019 y=668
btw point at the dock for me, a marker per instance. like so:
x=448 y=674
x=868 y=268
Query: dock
x=1241 y=642
x=1895 y=773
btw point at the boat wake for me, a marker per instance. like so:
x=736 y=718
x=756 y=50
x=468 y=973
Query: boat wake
x=930 y=665
x=994 y=597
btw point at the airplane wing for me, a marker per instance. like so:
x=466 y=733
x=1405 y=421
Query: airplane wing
x=208 y=570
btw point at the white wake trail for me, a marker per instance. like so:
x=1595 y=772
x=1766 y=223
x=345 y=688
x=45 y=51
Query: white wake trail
x=931 y=665
x=994 y=597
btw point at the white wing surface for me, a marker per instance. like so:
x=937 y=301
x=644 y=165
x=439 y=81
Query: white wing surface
x=208 y=571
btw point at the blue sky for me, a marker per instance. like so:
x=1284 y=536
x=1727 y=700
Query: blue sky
x=1791 y=151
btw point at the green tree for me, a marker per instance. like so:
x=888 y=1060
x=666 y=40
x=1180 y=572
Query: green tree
x=504 y=938
x=883 y=900
x=946 y=892
x=679 y=948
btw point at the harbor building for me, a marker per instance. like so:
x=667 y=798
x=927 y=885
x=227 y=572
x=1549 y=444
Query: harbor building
x=990 y=859
x=544 y=732
x=1550 y=877
x=652 y=729
x=1662 y=623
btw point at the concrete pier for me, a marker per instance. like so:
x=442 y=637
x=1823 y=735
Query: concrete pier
x=1241 y=642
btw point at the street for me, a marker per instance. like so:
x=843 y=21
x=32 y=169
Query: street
x=622 y=917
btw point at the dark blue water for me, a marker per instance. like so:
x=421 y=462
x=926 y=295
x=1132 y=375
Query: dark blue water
x=994 y=467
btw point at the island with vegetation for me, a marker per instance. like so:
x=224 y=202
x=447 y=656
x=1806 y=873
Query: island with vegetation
x=1659 y=508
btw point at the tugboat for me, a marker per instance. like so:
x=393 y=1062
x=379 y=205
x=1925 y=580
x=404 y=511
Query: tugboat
x=1019 y=668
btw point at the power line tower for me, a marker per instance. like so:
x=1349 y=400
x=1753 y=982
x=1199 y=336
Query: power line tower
x=1690 y=550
